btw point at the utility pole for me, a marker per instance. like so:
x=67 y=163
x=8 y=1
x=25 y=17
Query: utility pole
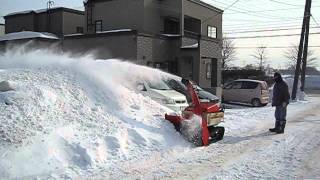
x=305 y=51
x=301 y=48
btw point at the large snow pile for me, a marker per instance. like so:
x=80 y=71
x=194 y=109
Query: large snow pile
x=70 y=116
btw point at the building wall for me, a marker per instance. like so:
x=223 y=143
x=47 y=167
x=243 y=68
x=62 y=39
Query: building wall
x=208 y=16
x=56 y=23
x=155 y=49
x=156 y=11
x=2 y=29
x=122 y=46
x=18 y=23
x=119 y=14
x=71 y=21
x=194 y=55
x=210 y=50
x=186 y=41
x=61 y=22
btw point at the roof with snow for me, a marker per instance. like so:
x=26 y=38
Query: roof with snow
x=193 y=46
x=109 y=32
x=27 y=35
x=43 y=11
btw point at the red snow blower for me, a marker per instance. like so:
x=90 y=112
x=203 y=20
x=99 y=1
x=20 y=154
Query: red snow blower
x=211 y=115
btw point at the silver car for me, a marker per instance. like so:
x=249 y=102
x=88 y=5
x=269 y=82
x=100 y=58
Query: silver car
x=246 y=91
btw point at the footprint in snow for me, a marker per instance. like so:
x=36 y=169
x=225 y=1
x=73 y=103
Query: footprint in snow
x=136 y=107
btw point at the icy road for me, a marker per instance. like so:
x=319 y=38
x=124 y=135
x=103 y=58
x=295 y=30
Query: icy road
x=80 y=118
x=248 y=151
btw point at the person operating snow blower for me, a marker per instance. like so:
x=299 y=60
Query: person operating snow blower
x=280 y=100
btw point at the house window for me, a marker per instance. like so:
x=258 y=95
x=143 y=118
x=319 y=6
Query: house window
x=208 y=70
x=212 y=32
x=192 y=25
x=98 y=26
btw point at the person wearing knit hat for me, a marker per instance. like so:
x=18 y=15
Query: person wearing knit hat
x=280 y=100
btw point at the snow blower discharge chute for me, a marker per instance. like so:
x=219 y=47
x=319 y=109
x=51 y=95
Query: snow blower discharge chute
x=211 y=114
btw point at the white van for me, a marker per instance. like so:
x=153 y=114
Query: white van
x=159 y=91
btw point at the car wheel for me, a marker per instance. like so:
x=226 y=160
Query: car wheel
x=256 y=102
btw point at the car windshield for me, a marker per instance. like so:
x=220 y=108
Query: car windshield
x=198 y=88
x=159 y=85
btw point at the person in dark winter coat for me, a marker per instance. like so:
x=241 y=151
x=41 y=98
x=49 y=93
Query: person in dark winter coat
x=280 y=100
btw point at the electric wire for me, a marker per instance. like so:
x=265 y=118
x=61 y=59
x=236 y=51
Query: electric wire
x=268 y=36
x=288 y=4
x=271 y=47
x=314 y=19
x=267 y=30
x=271 y=10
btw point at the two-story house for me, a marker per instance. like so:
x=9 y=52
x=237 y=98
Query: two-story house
x=59 y=21
x=183 y=37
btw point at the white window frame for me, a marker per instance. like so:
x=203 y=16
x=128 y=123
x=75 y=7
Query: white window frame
x=212 y=31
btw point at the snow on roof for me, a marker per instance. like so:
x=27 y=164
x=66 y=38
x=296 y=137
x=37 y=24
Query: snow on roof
x=76 y=34
x=27 y=35
x=116 y=30
x=193 y=46
x=39 y=11
x=20 y=12
x=171 y=35
x=30 y=11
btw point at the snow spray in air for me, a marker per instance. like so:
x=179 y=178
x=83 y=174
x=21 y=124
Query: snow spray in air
x=191 y=129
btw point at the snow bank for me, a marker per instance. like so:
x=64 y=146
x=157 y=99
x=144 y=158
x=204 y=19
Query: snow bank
x=70 y=116
x=5 y=86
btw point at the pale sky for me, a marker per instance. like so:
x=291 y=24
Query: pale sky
x=245 y=15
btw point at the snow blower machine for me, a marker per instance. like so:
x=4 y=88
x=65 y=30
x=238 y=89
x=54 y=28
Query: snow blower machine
x=204 y=117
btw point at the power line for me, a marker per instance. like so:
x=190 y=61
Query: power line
x=271 y=47
x=259 y=21
x=280 y=2
x=245 y=11
x=271 y=10
x=264 y=24
x=267 y=30
x=250 y=26
x=235 y=2
x=223 y=10
x=262 y=28
x=266 y=36
x=314 y=19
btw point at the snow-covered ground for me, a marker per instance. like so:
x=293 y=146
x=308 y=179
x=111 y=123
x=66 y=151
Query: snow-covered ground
x=81 y=118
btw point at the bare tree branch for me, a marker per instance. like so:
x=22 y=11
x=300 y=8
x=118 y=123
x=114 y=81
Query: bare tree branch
x=292 y=55
x=228 y=52
x=260 y=55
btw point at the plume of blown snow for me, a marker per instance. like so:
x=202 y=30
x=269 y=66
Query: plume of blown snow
x=110 y=72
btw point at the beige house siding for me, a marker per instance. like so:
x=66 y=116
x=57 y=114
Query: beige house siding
x=120 y=14
x=20 y=23
x=120 y=46
x=71 y=21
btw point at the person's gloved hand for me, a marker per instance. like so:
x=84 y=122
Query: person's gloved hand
x=284 y=104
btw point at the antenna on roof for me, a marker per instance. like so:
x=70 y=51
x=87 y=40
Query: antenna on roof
x=50 y=4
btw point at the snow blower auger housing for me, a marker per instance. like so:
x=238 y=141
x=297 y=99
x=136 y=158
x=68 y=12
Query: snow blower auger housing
x=211 y=114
